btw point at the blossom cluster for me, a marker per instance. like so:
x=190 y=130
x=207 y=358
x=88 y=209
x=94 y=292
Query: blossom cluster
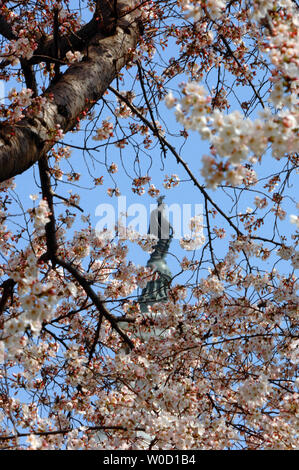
x=105 y=131
x=37 y=301
x=21 y=48
x=195 y=10
x=73 y=57
x=196 y=238
x=233 y=136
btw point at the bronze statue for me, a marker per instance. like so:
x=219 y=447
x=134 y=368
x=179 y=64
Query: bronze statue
x=157 y=290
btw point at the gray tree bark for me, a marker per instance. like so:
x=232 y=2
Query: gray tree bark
x=77 y=90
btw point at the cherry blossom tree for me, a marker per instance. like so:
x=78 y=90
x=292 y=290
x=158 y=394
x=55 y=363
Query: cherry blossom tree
x=118 y=88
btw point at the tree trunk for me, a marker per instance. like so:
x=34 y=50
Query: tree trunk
x=77 y=90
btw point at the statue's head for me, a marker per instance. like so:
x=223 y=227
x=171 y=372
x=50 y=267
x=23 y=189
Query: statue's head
x=160 y=200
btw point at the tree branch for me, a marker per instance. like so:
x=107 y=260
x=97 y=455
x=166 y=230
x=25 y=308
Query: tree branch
x=6 y=29
x=66 y=431
x=7 y=287
x=77 y=41
x=95 y=298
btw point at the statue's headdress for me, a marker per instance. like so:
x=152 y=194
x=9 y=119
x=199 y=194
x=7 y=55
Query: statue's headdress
x=160 y=200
